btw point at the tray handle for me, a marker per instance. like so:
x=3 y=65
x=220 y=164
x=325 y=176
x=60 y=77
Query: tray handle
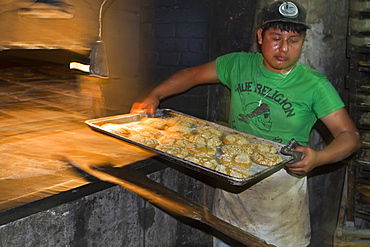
x=287 y=150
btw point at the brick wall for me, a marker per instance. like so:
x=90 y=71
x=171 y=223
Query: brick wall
x=185 y=33
x=176 y=32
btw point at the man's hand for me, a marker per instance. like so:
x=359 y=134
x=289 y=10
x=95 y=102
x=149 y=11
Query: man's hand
x=346 y=141
x=149 y=105
x=308 y=161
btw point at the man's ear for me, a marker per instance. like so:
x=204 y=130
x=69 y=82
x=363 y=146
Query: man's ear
x=259 y=36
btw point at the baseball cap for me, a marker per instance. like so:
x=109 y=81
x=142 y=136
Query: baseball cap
x=284 y=11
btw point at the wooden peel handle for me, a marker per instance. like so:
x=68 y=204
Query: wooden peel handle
x=178 y=205
x=166 y=199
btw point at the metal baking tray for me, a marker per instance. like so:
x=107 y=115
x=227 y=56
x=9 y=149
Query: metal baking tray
x=257 y=172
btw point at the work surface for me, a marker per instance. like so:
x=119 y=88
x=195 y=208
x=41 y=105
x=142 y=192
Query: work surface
x=42 y=114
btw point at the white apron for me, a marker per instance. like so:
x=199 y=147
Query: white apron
x=275 y=210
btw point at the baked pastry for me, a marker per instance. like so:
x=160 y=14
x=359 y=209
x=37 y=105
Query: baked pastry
x=138 y=129
x=212 y=141
x=118 y=129
x=178 y=121
x=365 y=118
x=233 y=171
x=174 y=150
x=236 y=149
x=150 y=142
x=200 y=149
x=179 y=130
x=365 y=137
x=236 y=159
x=178 y=140
x=150 y=135
x=208 y=131
x=263 y=147
x=205 y=161
x=235 y=139
x=157 y=123
x=266 y=159
x=364 y=155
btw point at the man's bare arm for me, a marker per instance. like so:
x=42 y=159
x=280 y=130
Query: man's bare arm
x=177 y=83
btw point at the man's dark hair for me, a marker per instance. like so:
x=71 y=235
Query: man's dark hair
x=285 y=27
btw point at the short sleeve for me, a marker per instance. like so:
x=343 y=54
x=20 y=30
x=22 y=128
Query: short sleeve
x=326 y=99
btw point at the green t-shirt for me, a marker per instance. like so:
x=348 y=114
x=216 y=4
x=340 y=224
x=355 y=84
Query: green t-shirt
x=291 y=103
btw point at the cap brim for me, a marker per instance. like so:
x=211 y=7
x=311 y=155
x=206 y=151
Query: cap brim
x=285 y=20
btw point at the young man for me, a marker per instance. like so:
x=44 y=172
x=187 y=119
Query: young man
x=273 y=97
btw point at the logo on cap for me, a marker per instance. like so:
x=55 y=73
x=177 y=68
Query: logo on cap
x=288 y=9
